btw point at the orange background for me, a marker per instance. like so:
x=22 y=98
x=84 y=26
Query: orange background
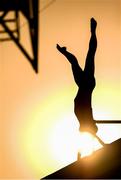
x=36 y=108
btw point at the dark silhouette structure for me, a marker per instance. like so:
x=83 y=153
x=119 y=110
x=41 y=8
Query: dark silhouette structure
x=85 y=81
x=30 y=11
x=105 y=163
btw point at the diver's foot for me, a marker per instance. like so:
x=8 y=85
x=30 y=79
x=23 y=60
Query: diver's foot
x=93 y=25
x=61 y=49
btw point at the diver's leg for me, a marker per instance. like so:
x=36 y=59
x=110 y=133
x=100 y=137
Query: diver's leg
x=77 y=73
x=76 y=69
x=89 y=65
x=71 y=58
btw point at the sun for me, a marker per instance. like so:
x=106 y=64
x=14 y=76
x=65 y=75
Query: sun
x=87 y=144
x=67 y=141
x=49 y=135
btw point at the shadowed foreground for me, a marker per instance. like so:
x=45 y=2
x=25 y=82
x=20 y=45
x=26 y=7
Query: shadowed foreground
x=104 y=163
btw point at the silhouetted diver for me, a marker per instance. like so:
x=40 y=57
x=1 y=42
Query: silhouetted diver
x=85 y=81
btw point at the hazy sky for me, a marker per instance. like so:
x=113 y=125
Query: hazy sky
x=37 y=118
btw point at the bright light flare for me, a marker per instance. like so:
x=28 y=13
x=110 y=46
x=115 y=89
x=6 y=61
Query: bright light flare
x=67 y=141
x=86 y=144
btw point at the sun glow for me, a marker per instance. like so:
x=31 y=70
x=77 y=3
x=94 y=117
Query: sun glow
x=49 y=135
x=86 y=144
x=67 y=141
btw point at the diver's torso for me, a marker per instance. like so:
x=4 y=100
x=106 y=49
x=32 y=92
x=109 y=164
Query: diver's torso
x=82 y=101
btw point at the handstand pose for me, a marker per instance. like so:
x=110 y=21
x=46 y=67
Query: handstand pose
x=85 y=81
